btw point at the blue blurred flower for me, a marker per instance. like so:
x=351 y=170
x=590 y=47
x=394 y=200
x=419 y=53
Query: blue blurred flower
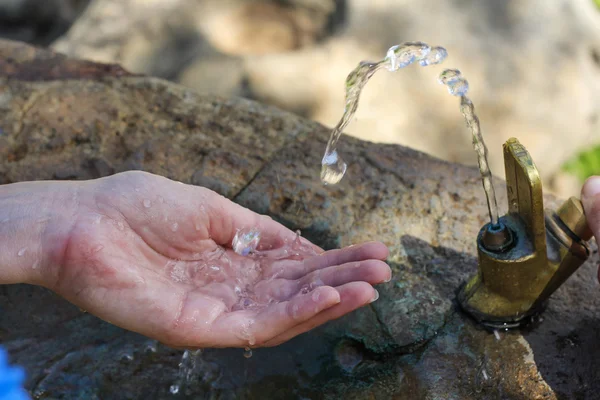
x=11 y=380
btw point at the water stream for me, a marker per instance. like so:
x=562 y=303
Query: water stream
x=333 y=167
x=458 y=86
x=399 y=56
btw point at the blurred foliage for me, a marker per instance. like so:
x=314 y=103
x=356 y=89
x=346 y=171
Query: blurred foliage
x=586 y=163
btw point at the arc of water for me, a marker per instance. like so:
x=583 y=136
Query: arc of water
x=333 y=166
x=399 y=56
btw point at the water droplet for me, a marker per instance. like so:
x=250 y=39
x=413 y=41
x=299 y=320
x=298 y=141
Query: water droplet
x=126 y=357
x=151 y=347
x=215 y=268
x=452 y=78
x=178 y=271
x=448 y=76
x=315 y=296
x=485 y=374
x=147 y=203
x=305 y=289
x=174 y=227
x=404 y=54
x=120 y=225
x=246 y=241
x=437 y=55
x=174 y=389
x=295 y=310
x=247 y=352
x=247 y=303
x=36 y=264
x=21 y=252
x=333 y=168
x=459 y=87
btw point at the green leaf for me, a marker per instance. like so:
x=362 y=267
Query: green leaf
x=586 y=163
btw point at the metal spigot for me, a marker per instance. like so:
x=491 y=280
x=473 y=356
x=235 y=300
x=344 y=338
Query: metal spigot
x=529 y=253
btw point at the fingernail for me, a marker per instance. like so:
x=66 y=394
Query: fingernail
x=375 y=296
x=388 y=279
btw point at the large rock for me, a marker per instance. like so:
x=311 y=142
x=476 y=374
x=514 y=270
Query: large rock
x=533 y=65
x=161 y=37
x=81 y=120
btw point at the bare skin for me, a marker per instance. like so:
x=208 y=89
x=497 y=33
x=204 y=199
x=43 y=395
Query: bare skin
x=112 y=246
x=590 y=197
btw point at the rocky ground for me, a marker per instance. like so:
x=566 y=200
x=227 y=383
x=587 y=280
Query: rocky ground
x=67 y=119
x=533 y=65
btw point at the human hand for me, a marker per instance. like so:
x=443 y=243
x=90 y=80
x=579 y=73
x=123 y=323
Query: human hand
x=154 y=256
x=590 y=198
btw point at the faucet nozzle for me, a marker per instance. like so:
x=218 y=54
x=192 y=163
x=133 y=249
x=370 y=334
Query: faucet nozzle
x=529 y=253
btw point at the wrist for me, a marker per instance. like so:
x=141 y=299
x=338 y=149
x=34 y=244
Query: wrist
x=35 y=221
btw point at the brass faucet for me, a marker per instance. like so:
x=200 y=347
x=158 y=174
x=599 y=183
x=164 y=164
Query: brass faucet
x=529 y=253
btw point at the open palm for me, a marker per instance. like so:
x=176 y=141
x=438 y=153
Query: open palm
x=154 y=256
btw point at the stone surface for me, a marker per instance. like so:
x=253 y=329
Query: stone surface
x=412 y=343
x=533 y=65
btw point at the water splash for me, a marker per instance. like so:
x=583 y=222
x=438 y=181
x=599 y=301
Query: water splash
x=458 y=86
x=497 y=334
x=151 y=346
x=219 y=265
x=483 y=378
x=333 y=167
x=246 y=241
x=247 y=352
x=187 y=370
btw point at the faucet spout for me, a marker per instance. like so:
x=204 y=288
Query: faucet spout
x=529 y=254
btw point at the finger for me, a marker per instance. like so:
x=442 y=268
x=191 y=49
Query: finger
x=590 y=197
x=227 y=218
x=370 y=271
x=352 y=296
x=244 y=328
x=291 y=269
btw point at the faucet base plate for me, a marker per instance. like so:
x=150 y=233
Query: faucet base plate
x=493 y=322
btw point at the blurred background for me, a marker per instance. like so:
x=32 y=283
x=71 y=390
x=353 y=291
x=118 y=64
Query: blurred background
x=533 y=65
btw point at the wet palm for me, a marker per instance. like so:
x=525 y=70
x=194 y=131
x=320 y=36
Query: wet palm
x=154 y=256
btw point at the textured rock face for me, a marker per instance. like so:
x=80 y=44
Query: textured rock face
x=83 y=120
x=532 y=65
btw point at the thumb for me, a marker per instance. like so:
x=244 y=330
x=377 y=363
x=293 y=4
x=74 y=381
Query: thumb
x=590 y=197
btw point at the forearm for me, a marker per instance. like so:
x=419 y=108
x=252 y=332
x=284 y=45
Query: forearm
x=34 y=226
